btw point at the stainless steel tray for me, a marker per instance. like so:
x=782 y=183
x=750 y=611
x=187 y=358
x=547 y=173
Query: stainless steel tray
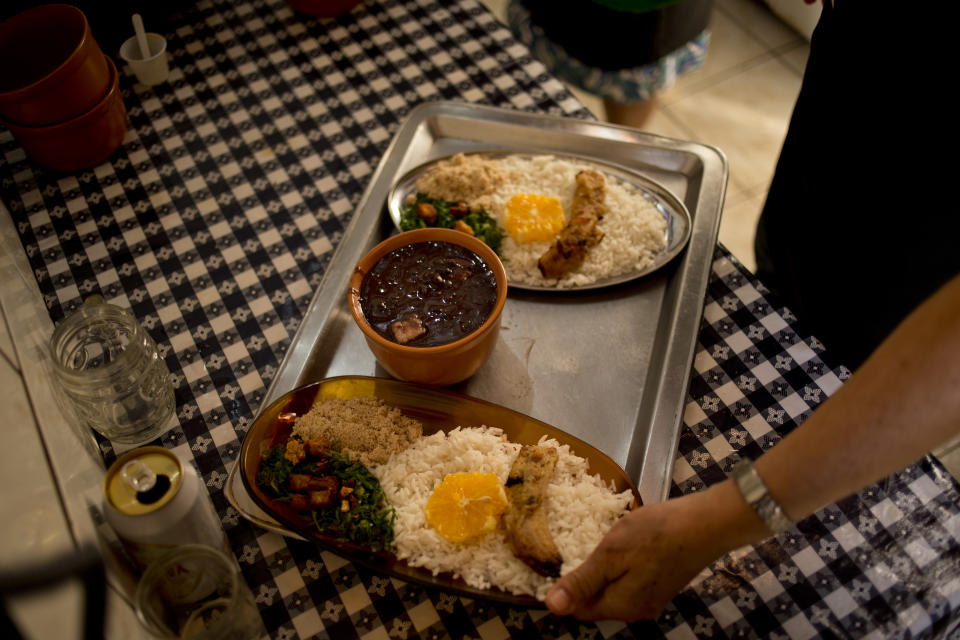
x=608 y=366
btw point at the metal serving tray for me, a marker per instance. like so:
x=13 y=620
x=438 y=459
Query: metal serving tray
x=609 y=366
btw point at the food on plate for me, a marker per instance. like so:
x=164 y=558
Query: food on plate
x=578 y=507
x=532 y=217
x=532 y=201
x=442 y=197
x=466 y=502
x=428 y=293
x=321 y=470
x=526 y=519
x=422 y=211
x=342 y=498
x=366 y=429
x=570 y=248
x=466 y=505
x=465 y=178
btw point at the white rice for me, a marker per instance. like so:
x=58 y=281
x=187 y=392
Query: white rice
x=581 y=509
x=634 y=230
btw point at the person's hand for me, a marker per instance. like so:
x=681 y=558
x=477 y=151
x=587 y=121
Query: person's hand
x=645 y=559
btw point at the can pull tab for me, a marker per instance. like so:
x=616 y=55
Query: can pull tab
x=139 y=476
x=149 y=486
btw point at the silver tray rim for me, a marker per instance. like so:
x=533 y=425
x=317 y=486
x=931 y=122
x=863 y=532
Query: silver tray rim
x=674 y=212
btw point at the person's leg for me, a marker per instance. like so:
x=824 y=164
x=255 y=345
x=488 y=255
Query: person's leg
x=634 y=114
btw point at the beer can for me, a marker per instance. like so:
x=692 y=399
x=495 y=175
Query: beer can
x=155 y=502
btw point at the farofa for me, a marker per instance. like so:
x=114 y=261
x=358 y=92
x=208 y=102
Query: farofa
x=464 y=178
x=366 y=428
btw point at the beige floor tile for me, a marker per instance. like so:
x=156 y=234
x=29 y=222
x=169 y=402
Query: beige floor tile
x=801 y=16
x=731 y=48
x=746 y=116
x=666 y=123
x=738 y=225
x=796 y=57
x=590 y=101
x=756 y=18
x=735 y=192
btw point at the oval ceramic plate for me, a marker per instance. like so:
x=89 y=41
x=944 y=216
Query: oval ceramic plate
x=673 y=211
x=437 y=409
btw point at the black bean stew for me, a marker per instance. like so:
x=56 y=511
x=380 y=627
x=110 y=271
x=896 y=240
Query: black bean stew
x=428 y=294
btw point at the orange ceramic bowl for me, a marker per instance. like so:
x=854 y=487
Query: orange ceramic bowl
x=83 y=142
x=444 y=364
x=53 y=69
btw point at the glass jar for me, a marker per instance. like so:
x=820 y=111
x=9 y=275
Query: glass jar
x=109 y=369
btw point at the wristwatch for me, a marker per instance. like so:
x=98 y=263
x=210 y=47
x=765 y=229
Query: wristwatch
x=755 y=493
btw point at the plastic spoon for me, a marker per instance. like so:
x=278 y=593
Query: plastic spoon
x=146 y=53
x=141 y=36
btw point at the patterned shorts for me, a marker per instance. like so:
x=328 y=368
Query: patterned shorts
x=621 y=86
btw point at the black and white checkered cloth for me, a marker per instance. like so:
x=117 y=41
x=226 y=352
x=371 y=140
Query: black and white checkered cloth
x=215 y=221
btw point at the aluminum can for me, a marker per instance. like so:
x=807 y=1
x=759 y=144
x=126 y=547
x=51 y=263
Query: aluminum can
x=155 y=502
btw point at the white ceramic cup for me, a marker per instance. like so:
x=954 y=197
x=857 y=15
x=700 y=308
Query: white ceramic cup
x=152 y=69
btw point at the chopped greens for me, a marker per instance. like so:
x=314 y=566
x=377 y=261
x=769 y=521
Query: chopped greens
x=360 y=516
x=484 y=227
x=275 y=472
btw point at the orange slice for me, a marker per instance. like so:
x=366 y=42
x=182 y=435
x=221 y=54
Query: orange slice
x=532 y=217
x=466 y=506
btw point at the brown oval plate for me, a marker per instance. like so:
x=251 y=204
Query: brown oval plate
x=438 y=410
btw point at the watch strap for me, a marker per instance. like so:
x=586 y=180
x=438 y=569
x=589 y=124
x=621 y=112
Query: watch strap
x=755 y=493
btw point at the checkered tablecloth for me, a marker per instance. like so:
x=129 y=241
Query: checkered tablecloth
x=215 y=221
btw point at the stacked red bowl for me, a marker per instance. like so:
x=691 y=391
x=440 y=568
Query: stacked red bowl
x=59 y=93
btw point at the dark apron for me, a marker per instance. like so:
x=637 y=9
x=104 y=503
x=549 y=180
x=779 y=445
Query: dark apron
x=860 y=223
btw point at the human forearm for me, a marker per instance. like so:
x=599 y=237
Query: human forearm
x=903 y=402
